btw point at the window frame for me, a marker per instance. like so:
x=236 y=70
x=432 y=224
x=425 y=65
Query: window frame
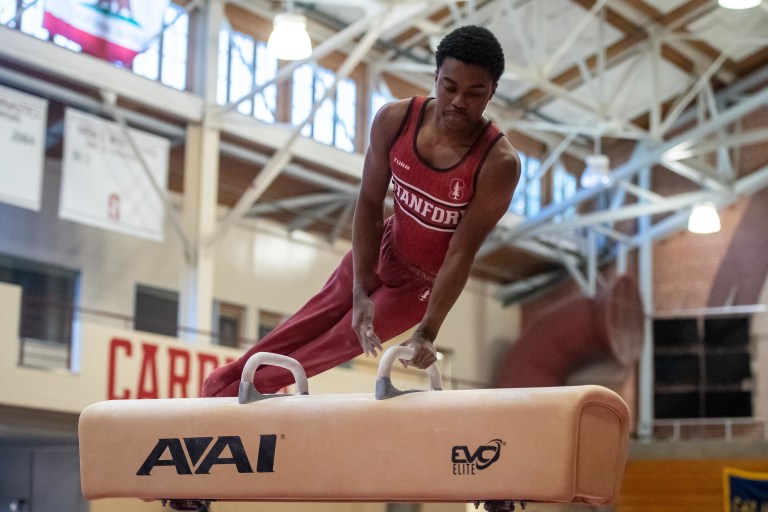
x=162 y=326
x=46 y=308
x=319 y=87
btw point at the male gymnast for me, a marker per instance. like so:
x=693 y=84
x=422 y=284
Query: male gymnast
x=453 y=173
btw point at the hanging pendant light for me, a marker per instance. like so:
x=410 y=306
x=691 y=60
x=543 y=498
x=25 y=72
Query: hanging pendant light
x=289 y=39
x=738 y=4
x=704 y=219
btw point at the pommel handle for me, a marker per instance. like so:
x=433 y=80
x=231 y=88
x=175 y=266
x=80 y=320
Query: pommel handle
x=384 y=387
x=248 y=392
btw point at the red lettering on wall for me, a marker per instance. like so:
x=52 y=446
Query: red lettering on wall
x=148 y=377
x=114 y=345
x=148 y=371
x=175 y=378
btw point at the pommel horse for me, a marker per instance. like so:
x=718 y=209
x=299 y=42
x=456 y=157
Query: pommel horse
x=498 y=447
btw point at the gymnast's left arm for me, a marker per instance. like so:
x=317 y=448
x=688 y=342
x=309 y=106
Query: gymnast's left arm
x=495 y=186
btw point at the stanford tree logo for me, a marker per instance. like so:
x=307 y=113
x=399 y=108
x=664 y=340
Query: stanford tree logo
x=456 y=189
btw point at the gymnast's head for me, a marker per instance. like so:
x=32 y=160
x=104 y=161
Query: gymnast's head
x=475 y=46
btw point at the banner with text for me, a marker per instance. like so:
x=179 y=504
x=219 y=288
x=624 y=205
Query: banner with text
x=22 y=146
x=104 y=183
x=115 y=30
x=745 y=490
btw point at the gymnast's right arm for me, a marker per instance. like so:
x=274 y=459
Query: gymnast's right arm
x=368 y=223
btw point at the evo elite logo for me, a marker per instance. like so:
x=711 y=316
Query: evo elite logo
x=195 y=457
x=467 y=462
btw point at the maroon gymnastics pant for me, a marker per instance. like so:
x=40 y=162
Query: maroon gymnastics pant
x=320 y=334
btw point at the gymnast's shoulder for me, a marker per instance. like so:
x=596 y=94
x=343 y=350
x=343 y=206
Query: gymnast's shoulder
x=388 y=121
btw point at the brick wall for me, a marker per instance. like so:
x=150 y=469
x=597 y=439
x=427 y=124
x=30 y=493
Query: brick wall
x=685 y=264
x=695 y=271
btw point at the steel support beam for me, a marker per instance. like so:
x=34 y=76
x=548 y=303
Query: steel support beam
x=650 y=157
x=393 y=16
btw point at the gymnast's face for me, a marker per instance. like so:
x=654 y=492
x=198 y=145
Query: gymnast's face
x=462 y=91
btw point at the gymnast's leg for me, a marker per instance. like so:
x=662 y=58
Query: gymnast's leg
x=319 y=315
x=398 y=308
x=400 y=302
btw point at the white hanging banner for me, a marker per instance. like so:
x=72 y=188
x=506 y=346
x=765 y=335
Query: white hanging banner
x=103 y=181
x=22 y=148
x=115 y=30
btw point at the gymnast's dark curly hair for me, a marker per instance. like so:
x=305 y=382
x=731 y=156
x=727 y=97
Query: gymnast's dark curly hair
x=473 y=45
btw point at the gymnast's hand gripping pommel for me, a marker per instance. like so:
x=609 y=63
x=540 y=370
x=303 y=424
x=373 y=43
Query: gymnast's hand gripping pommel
x=384 y=387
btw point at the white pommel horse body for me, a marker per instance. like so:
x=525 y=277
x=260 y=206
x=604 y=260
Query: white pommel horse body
x=498 y=446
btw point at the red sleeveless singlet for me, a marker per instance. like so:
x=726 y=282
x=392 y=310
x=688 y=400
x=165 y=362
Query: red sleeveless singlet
x=430 y=202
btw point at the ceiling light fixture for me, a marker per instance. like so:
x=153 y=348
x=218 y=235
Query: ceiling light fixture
x=596 y=172
x=738 y=4
x=289 y=39
x=704 y=219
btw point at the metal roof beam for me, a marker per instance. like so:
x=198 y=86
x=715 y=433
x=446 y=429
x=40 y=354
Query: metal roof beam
x=323 y=49
x=294 y=203
x=318 y=214
x=395 y=14
x=648 y=157
x=676 y=222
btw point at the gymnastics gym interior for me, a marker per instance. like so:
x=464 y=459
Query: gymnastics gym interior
x=174 y=184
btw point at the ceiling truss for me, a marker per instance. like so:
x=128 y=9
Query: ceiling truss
x=632 y=72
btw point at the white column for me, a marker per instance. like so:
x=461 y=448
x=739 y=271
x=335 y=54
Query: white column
x=645 y=383
x=201 y=177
